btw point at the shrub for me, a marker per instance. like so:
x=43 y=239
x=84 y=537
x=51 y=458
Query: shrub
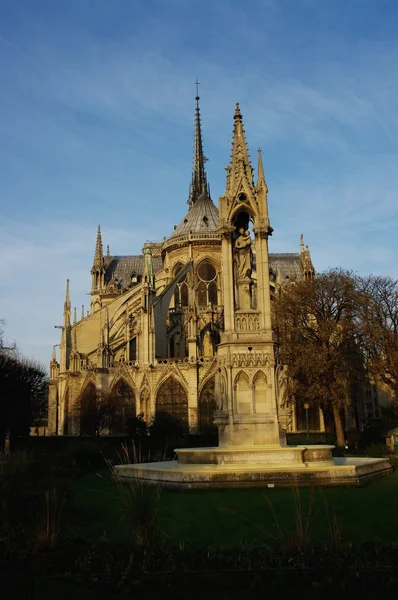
x=77 y=459
x=140 y=505
x=376 y=451
x=166 y=434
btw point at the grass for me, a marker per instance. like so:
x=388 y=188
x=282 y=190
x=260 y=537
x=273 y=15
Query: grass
x=232 y=518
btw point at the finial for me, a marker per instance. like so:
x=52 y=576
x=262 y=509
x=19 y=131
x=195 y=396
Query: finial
x=197 y=88
x=67 y=295
x=238 y=114
x=82 y=311
x=54 y=355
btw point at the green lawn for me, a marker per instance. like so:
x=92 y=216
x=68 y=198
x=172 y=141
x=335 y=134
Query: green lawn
x=231 y=518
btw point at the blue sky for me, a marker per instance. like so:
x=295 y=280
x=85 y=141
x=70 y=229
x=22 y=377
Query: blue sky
x=96 y=126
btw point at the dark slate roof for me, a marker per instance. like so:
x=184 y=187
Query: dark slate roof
x=202 y=217
x=121 y=268
x=289 y=265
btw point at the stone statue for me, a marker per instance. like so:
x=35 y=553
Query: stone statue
x=219 y=393
x=243 y=253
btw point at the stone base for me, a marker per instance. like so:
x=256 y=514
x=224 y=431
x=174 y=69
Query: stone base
x=319 y=470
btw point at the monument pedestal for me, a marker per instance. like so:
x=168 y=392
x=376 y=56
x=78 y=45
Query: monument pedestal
x=268 y=467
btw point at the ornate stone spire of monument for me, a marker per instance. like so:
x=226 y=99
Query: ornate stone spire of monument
x=239 y=167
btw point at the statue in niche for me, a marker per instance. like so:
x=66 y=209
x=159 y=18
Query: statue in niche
x=243 y=253
x=220 y=393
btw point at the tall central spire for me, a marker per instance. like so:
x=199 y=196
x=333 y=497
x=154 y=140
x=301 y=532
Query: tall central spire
x=199 y=184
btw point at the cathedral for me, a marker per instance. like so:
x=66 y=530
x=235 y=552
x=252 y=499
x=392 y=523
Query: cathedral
x=161 y=323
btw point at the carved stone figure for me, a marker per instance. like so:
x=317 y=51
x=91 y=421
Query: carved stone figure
x=243 y=254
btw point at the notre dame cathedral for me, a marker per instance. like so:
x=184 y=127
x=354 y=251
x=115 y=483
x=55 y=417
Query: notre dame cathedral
x=151 y=338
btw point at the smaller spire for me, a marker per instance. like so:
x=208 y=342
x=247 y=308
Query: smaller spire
x=74 y=315
x=54 y=355
x=67 y=295
x=98 y=254
x=98 y=268
x=108 y=254
x=302 y=248
x=82 y=311
x=260 y=172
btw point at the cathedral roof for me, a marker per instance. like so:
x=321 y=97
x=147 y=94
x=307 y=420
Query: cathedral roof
x=122 y=268
x=289 y=265
x=201 y=217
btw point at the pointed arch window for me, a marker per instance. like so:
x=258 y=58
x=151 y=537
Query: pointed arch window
x=207 y=406
x=121 y=408
x=181 y=291
x=172 y=399
x=207 y=292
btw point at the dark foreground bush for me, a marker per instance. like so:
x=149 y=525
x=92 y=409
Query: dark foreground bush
x=101 y=566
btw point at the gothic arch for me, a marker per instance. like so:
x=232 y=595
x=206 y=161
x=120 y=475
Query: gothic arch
x=172 y=399
x=181 y=290
x=243 y=393
x=66 y=418
x=87 y=403
x=206 y=405
x=172 y=370
x=122 y=406
x=244 y=209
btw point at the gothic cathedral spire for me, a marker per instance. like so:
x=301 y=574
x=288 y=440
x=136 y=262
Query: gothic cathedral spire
x=199 y=185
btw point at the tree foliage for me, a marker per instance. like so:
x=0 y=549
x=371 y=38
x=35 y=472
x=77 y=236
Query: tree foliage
x=23 y=392
x=318 y=327
x=95 y=412
x=380 y=329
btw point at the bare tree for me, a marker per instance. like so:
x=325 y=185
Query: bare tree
x=380 y=329
x=95 y=413
x=317 y=327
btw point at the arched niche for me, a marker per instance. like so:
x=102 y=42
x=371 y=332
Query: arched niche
x=122 y=407
x=243 y=394
x=66 y=420
x=171 y=399
x=207 y=406
x=261 y=393
x=145 y=403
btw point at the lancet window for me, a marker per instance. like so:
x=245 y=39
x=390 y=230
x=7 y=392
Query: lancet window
x=207 y=284
x=181 y=291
